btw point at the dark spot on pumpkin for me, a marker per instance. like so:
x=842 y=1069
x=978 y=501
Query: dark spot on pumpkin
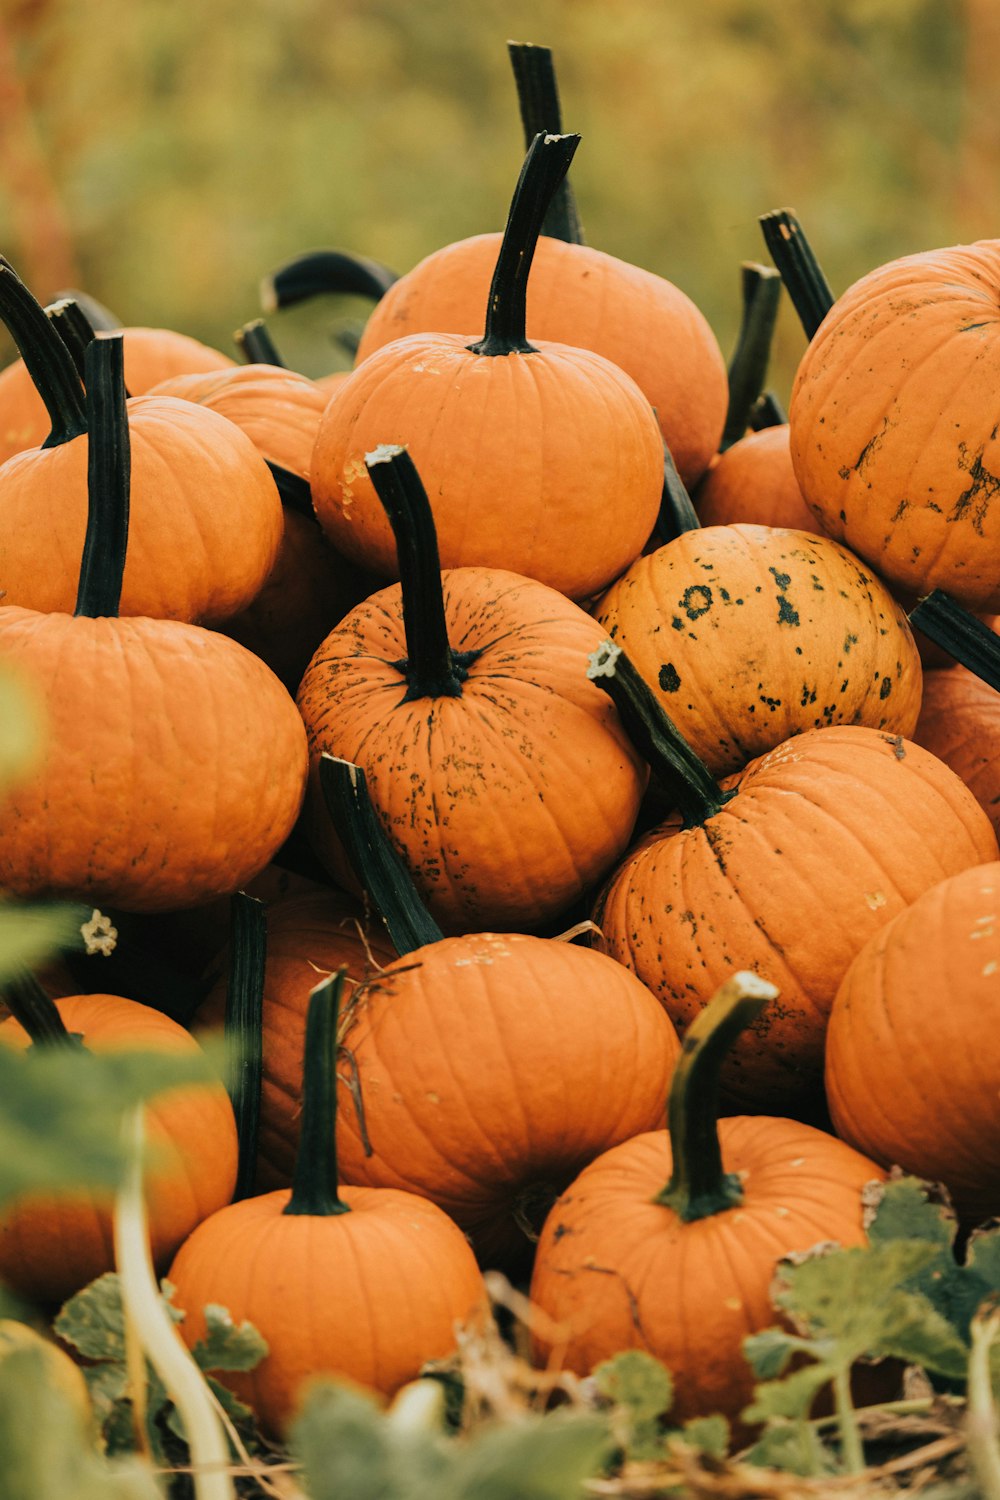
x=849 y=641
x=808 y=695
x=786 y=614
x=900 y=510
x=845 y=684
x=724 y=595
x=843 y=515
x=982 y=491
x=798 y=651
x=898 y=747
x=771 y=703
x=781 y=579
x=692 y=609
x=886 y=687
x=669 y=680
x=677 y=622
x=560 y=1230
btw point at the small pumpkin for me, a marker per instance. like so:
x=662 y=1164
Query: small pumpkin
x=912 y=1073
x=960 y=724
x=684 y=1271
x=366 y=1284
x=754 y=482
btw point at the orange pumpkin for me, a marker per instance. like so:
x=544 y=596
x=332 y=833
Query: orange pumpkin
x=912 y=1071
x=206 y=514
x=527 y=449
x=51 y=1246
x=787 y=869
x=175 y=761
x=498 y=771
x=684 y=1271
x=753 y=481
x=750 y=634
x=960 y=724
x=364 y=1284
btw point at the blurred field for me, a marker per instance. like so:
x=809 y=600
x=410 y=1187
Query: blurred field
x=162 y=156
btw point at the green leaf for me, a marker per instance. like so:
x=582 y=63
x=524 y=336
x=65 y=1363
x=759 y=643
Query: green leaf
x=794 y=1449
x=770 y=1351
x=347 y=1447
x=227 y=1346
x=641 y=1390
x=29 y=934
x=790 y=1398
x=709 y=1435
x=93 y=1321
x=541 y=1458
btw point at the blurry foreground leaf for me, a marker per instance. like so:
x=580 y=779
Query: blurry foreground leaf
x=641 y=1391
x=29 y=934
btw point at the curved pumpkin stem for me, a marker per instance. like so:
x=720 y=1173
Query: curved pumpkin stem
x=45 y=356
x=677 y=514
x=699 y=1186
x=538 y=100
x=653 y=733
x=316 y=1186
x=545 y=166
x=256 y=344
x=108 y=477
x=767 y=411
x=244 y=1029
x=323 y=271
x=377 y=864
x=432 y=669
x=800 y=270
x=100 y=318
x=960 y=633
x=39 y=1015
x=761 y=288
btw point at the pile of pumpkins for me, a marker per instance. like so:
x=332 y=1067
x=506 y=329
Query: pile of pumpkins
x=526 y=695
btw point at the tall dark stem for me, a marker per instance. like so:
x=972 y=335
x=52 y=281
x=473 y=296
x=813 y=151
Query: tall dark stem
x=699 y=1186
x=800 y=270
x=432 y=669
x=45 y=356
x=378 y=866
x=108 y=475
x=767 y=411
x=255 y=342
x=73 y=327
x=545 y=166
x=36 y=1012
x=761 y=288
x=538 y=100
x=100 y=318
x=951 y=626
x=686 y=778
x=245 y=1029
x=316 y=1185
x=677 y=514
x=323 y=271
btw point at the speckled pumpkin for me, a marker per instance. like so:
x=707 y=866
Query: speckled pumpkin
x=960 y=723
x=912 y=1063
x=749 y=634
x=894 y=426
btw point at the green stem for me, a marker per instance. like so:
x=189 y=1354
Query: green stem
x=432 y=669
x=316 y=1186
x=800 y=270
x=538 y=100
x=699 y=1186
x=677 y=515
x=761 y=289
x=45 y=356
x=244 y=1029
x=36 y=1012
x=767 y=411
x=951 y=626
x=378 y=866
x=73 y=328
x=256 y=344
x=686 y=777
x=851 y=1450
x=100 y=318
x=108 y=474
x=545 y=166
x=324 y=271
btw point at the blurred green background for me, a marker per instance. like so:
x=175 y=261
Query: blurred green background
x=164 y=154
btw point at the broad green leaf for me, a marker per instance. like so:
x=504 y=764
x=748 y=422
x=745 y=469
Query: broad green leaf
x=347 y=1448
x=770 y=1351
x=93 y=1321
x=795 y=1449
x=790 y=1398
x=227 y=1346
x=541 y=1458
x=708 y=1434
x=641 y=1390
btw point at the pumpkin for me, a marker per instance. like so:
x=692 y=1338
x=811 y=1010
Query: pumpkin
x=497 y=769
x=754 y=482
x=893 y=436
x=485 y=1070
x=175 y=761
x=912 y=1071
x=960 y=724
x=528 y=449
x=750 y=634
x=206 y=515
x=684 y=1271
x=361 y=1283
x=52 y=1245
x=788 y=868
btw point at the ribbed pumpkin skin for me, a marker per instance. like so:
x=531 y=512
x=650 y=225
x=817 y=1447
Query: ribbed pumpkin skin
x=151 y=355
x=492 y=1068
x=750 y=634
x=508 y=801
x=829 y=836
x=52 y=1246
x=753 y=481
x=277 y=409
x=590 y=300
x=307 y=937
x=547 y=464
x=205 y=518
x=960 y=724
x=173 y=768
x=618 y=1271
x=894 y=433
x=369 y=1295
x=912 y=1066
